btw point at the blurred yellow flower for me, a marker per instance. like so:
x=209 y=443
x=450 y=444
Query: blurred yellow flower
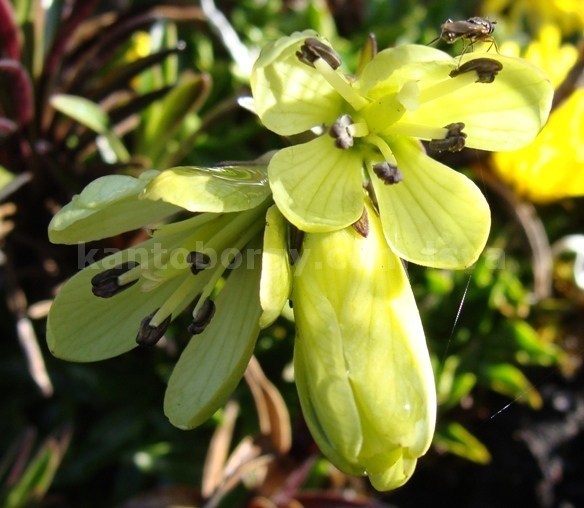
x=552 y=166
x=140 y=46
x=568 y=15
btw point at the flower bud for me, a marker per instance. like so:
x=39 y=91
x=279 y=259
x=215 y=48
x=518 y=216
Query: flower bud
x=361 y=362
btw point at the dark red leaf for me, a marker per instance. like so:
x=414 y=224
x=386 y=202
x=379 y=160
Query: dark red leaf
x=9 y=32
x=17 y=92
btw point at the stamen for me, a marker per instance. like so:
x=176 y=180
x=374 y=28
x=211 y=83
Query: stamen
x=230 y=231
x=367 y=53
x=182 y=296
x=388 y=173
x=107 y=283
x=446 y=87
x=453 y=142
x=416 y=130
x=383 y=147
x=172 y=261
x=358 y=129
x=201 y=316
x=251 y=230
x=238 y=230
x=340 y=131
x=199 y=261
x=313 y=49
x=150 y=334
x=190 y=224
x=486 y=69
x=131 y=276
x=340 y=84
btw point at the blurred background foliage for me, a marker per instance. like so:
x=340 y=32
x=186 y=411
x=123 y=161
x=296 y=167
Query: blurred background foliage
x=96 y=87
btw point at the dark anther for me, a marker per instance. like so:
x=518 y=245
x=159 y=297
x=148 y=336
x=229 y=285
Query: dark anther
x=453 y=142
x=150 y=335
x=340 y=131
x=105 y=284
x=203 y=316
x=362 y=225
x=388 y=173
x=313 y=49
x=199 y=261
x=486 y=69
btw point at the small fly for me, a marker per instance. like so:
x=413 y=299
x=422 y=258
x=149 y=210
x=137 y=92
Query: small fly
x=471 y=30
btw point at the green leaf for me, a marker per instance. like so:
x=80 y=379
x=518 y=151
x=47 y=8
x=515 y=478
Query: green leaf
x=5 y=177
x=187 y=96
x=83 y=111
x=530 y=348
x=227 y=188
x=38 y=475
x=106 y=207
x=508 y=380
x=462 y=384
x=90 y=115
x=453 y=385
x=454 y=438
x=213 y=362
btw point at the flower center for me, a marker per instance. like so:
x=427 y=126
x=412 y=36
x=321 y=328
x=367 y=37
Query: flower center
x=377 y=120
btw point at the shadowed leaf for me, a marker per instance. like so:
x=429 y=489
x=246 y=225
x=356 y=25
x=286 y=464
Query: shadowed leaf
x=17 y=92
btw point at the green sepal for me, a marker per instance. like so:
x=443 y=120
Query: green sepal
x=106 y=207
x=231 y=187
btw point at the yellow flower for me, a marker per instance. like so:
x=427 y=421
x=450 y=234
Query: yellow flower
x=552 y=166
x=368 y=129
x=567 y=14
x=205 y=262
